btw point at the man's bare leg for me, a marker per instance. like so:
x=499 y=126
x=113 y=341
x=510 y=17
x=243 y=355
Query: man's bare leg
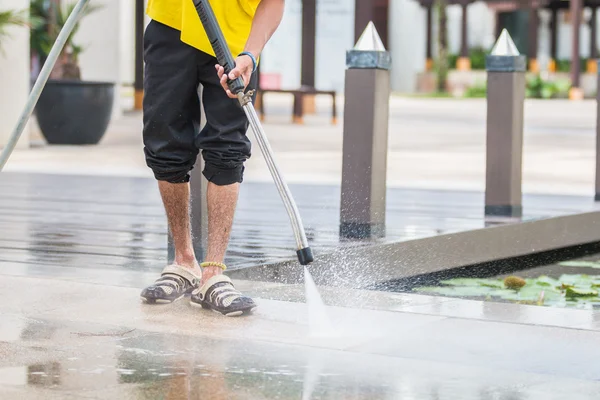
x=221 y=205
x=176 y=200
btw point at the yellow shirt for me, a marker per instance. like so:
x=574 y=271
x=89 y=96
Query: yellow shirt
x=234 y=18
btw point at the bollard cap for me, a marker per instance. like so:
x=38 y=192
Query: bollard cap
x=505 y=56
x=369 y=51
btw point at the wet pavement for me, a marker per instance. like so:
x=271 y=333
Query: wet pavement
x=57 y=340
x=113 y=229
x=75 y=252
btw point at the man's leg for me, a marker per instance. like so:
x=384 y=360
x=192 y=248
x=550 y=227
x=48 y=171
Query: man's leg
x=221 y=205
x=171 y=120
x=176 y=200
x=225 y=148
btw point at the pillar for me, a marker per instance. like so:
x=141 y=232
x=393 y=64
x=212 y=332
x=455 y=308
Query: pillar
x=532 y=44
x=138 y=84
x=101 y=58
x=592 y=64
x=375 y=11
x=576 y=92
x=365 y=138
x=429 y=38
x=504 y=147
x=307 y=68
x=464 y=62
x=553 y=39
x=14 y=76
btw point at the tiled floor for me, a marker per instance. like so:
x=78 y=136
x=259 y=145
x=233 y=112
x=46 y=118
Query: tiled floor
x=82 y=225
x=65 y=340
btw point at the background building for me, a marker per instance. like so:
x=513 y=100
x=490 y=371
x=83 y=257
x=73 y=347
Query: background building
x=109 y=34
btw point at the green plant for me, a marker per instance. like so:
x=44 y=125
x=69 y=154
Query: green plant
x=538 y=88
x=10 y=18
x=477 y=57
x=476 y=91
x=452 y=60
x=53 y=17
x=563 y=65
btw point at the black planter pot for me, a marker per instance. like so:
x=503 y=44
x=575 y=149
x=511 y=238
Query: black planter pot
x=75 y=112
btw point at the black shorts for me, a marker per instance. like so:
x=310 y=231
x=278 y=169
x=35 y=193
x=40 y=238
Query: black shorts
x=171 y=108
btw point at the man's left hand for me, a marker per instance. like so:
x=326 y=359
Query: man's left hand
x=243 y=68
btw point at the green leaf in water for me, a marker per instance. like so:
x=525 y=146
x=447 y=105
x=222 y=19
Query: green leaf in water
x=494 y=283
x=589 y=264
x=459 y=291
x=572 y=292
x=543 y=281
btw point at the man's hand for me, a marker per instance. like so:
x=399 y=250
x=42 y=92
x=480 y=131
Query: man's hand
x=243 y=68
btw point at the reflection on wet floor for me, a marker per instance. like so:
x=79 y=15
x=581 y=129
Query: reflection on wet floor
x=74 y=222
x=83 y=362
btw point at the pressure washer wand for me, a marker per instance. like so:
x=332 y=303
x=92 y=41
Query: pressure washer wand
x=226 y=60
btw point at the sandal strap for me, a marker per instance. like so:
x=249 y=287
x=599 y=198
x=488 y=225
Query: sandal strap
x=219 y=290
x=182 y=272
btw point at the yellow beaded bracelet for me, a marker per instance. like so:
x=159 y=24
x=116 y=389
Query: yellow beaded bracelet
x=213 y=264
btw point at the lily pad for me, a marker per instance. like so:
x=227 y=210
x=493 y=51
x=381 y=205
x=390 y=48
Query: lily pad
x=589 y=264
x=573 y=291
x=544 y=281
x=493 y=283
x=580 y=292
x=458 y=291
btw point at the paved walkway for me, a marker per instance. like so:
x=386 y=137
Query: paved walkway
x=433 y=143
x=114 y=228
x=59 y=341
x=75 y=251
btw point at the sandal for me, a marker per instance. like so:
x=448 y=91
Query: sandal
x=174 y=283
x=219 y=294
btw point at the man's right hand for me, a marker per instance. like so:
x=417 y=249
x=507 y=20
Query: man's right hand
x=243 y=68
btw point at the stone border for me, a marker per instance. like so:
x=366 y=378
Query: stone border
x=364 y=267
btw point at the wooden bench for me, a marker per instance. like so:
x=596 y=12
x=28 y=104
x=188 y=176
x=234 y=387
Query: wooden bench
x=298 y=111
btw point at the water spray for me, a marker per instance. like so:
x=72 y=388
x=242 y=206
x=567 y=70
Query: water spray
x=225 y=59
x=42 y=78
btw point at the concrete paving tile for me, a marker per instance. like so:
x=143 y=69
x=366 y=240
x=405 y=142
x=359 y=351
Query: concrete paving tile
x=513 y=313
x=525 y=348
x=173 y=366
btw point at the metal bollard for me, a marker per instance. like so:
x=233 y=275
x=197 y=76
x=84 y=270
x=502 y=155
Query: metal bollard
x=365 y=142
x=504 y=149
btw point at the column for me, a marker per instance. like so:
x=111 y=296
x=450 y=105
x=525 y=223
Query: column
x=533 y=26
x=576 y=92
x=14 y=76
x=429 y=37
x=307 y=74
x=592 y=64
x=553 y=39
x=464 y=62
x=138 y=84
x=376 y=11
x=100 y=59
